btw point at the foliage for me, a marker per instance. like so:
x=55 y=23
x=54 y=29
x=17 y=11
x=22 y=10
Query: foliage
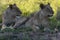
x=29 y=6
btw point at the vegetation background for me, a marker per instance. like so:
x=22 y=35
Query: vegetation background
x=27 y=7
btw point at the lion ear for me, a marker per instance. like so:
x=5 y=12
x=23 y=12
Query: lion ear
x=14 y=4
x=48 y=3
x=10 y=6
x=42 y=6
